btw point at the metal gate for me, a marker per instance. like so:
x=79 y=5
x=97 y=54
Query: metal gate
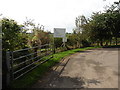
x=22 y=61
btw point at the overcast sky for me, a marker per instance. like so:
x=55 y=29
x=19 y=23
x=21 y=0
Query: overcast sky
x=51 y=13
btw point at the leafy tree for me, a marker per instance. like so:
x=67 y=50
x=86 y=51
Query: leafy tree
x=37 y=34
x=79 y=22
x=102 y=27
x=12 y=36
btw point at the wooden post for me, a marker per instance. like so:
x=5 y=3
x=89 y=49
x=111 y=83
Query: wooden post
x=8 y=68
x=11 y=65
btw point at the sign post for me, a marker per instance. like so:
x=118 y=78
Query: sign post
x=60 y=33
x=64 y=39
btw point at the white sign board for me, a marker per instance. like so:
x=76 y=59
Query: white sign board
x=64 y=39
x=59 y=32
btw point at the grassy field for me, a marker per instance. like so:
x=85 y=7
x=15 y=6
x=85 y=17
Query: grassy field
x=31 y=77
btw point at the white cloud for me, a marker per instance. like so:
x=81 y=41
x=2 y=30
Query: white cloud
x=51 y=13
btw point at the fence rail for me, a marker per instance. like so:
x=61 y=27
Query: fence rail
x=22 y=61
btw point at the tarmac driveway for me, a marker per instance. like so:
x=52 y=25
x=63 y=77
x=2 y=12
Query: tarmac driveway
x=96 y=68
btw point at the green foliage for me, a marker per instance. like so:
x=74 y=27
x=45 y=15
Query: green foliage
x=44 y=37
x=85 y=43
x=38 y=35
x=12 y=36
x=58 y=42
x=79 y=22
x=102 y=27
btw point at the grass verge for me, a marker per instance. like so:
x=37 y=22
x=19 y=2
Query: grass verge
x=31 y=77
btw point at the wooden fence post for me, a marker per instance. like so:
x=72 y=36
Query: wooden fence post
x=11 y=65
x=8 y=68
